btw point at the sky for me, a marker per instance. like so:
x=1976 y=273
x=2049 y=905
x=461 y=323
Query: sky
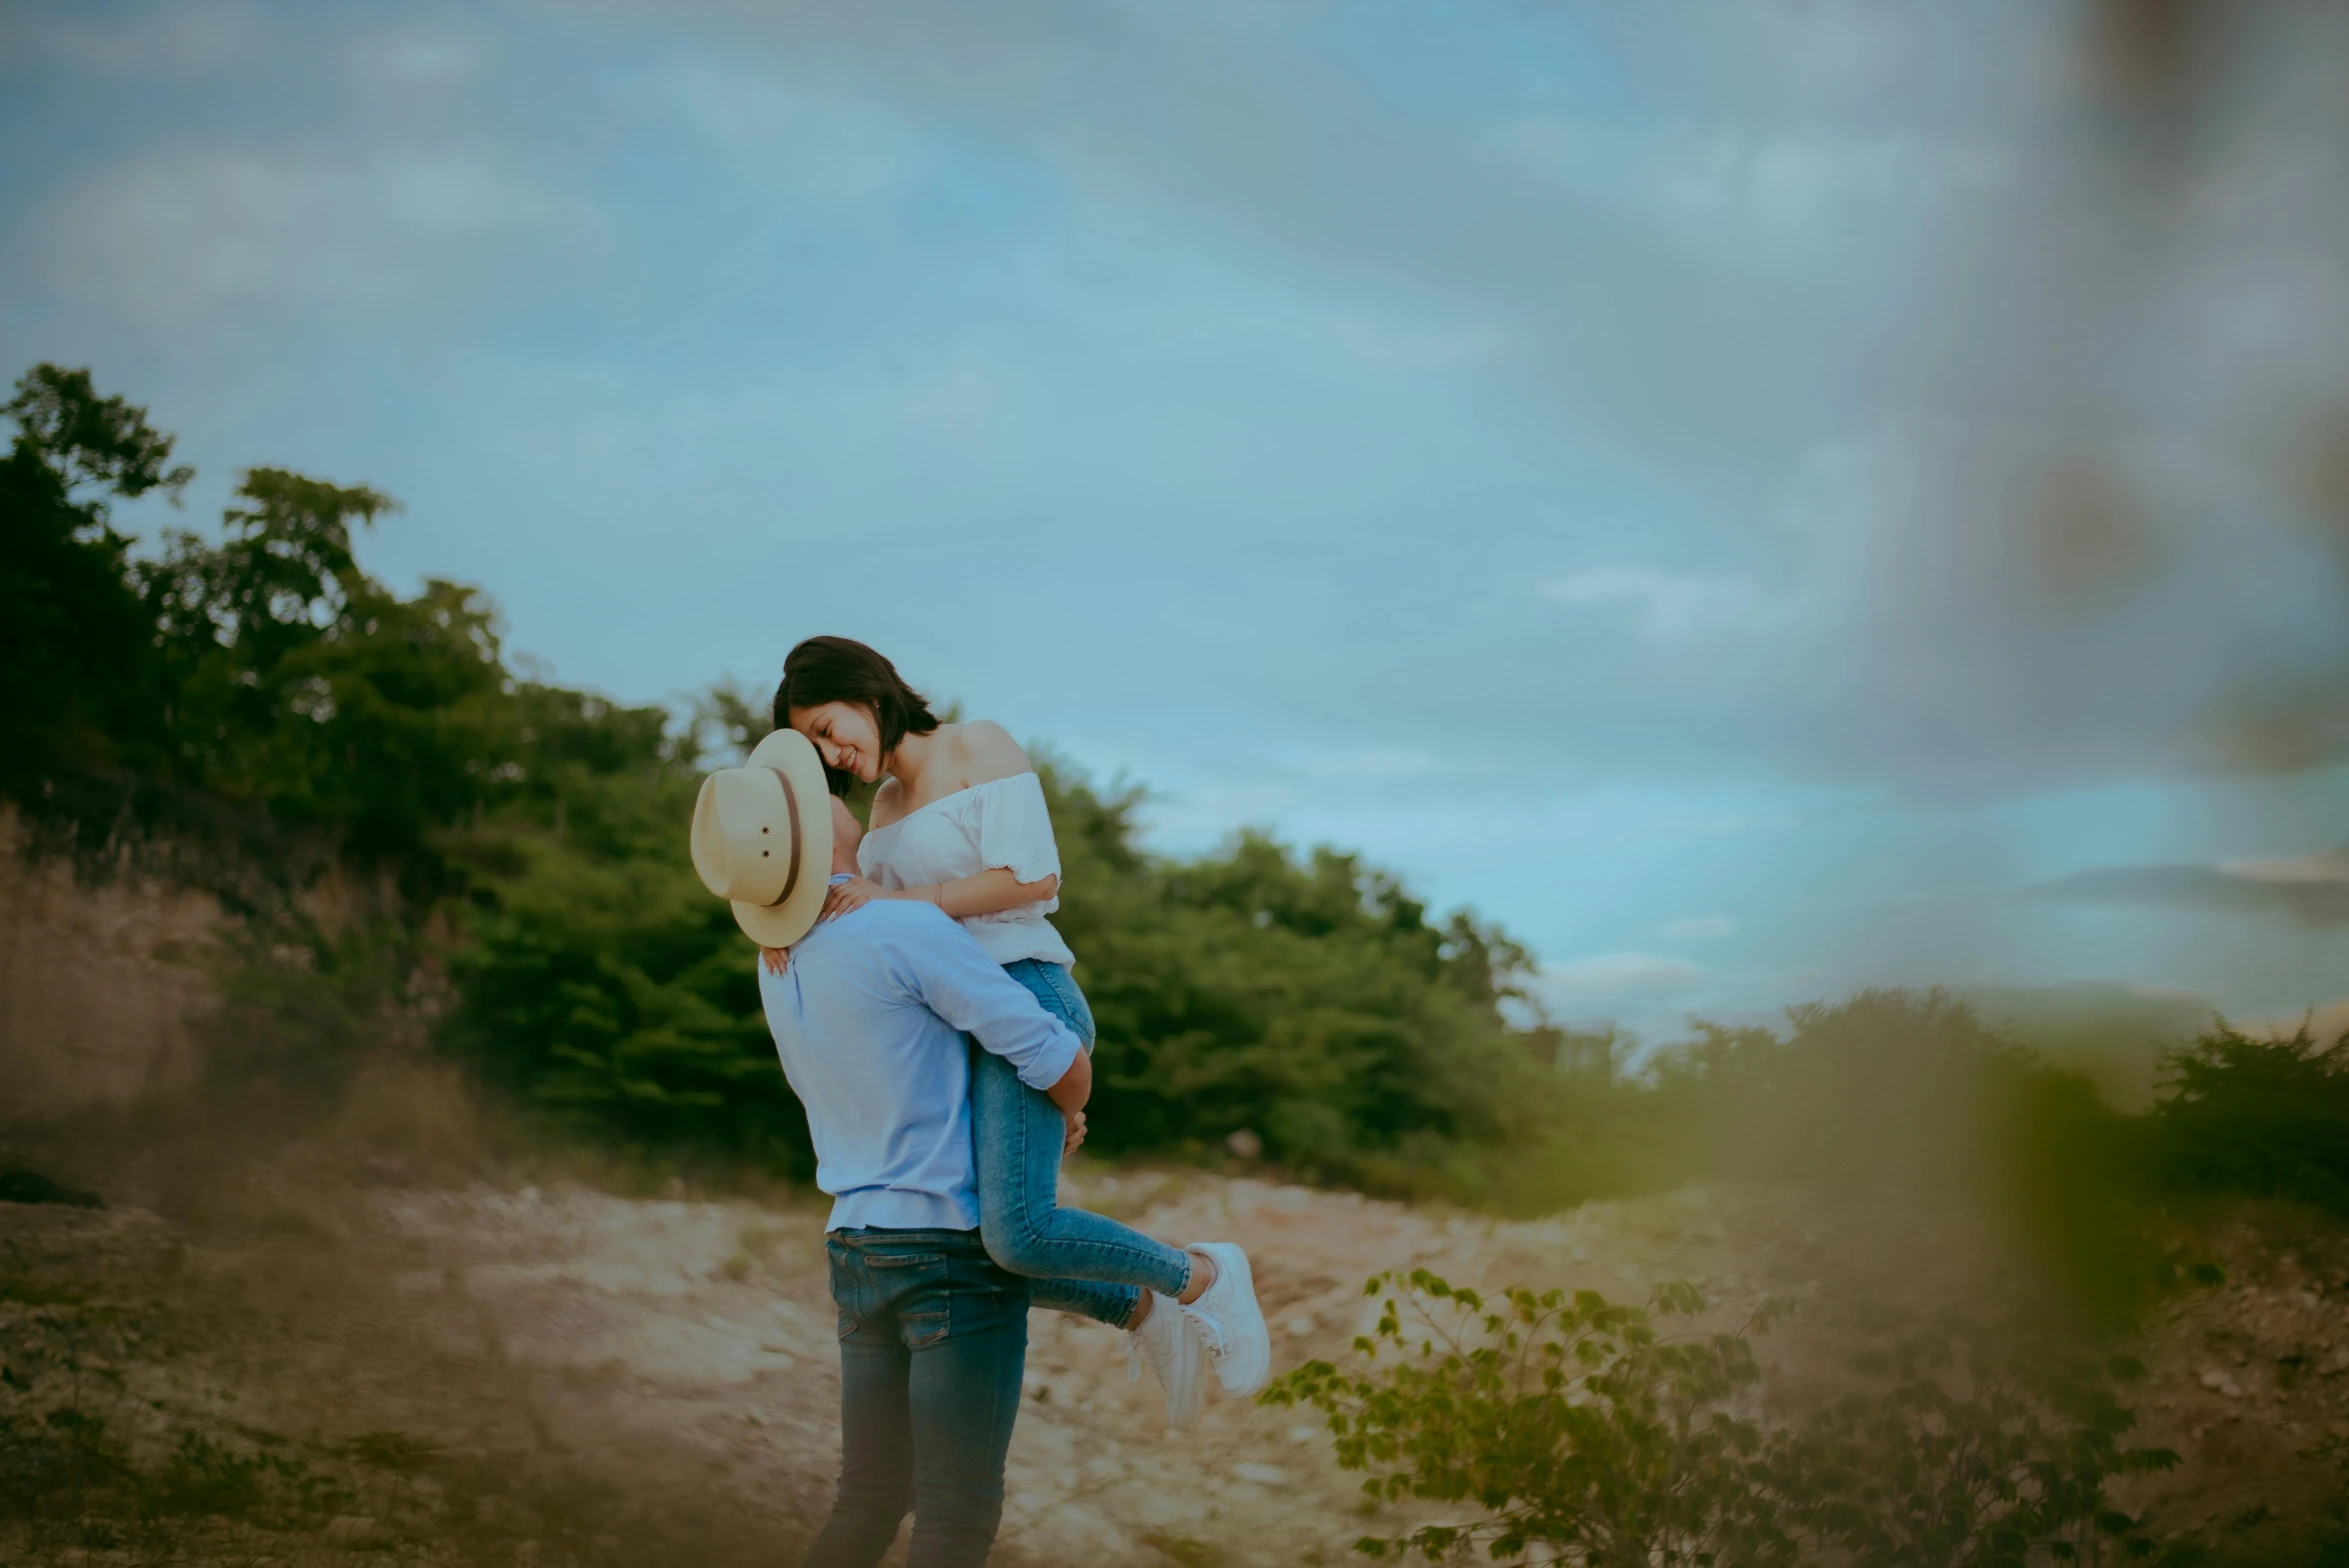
x=1758 y=498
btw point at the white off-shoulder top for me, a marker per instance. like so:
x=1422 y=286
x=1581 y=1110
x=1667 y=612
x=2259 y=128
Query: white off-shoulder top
x=1000 y=823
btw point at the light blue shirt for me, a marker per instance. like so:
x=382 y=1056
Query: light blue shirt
x=869 y=1020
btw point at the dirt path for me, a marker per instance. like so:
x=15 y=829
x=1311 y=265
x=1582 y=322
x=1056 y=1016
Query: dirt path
x=647 y=1372
x=703 y=1332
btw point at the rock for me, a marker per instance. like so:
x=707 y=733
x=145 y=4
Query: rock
x=350 y=1529
x=1262 y=1475
x=2219 y=1383
x=1245 y=1144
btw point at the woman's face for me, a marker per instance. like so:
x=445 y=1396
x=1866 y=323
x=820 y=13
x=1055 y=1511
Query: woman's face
x=845 y=736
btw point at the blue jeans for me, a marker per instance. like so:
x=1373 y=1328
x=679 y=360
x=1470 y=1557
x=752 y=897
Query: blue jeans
x=933 y=1338
x=1079 y=1262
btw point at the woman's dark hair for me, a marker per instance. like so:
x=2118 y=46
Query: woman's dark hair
x=840 y=669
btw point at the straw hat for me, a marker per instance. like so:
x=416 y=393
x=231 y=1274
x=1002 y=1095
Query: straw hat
x=762 y=838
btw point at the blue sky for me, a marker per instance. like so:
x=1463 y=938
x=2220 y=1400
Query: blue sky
x=1758 y=499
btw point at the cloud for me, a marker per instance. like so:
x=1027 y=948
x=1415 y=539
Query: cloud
x=1803 y=189
x=1378 y=762
x=419 y=60
x=839 y=149
x=178 y=236
x=1913 y=376
x=2330 y=865
x=1699 y=927
x=1612 y=976
x=173 y=40
x=1666 y=606
x=1989 y=574
x=2311 y=891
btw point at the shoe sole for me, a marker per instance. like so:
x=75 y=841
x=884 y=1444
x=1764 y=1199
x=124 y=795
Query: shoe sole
x=1184 y=1374
x=1242 y=1378
x=1187 y=1372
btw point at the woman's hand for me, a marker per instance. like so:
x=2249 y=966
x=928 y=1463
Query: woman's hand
x=854 y=893
x=777 y=959
x=1074 y=1135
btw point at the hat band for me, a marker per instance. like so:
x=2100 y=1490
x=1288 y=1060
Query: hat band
x=791 y=804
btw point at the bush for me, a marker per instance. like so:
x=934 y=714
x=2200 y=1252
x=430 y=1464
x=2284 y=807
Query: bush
x=1907 y=1094
x=602 y=984
x=1306 y=998
x=1571 y=1427
x=2262 y=1118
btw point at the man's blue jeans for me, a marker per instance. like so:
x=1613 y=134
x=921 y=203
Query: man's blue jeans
x=1076 y=1261
x=933 y=1338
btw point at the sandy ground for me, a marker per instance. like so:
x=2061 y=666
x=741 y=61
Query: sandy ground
x=703 y=1330
x=672 y=1362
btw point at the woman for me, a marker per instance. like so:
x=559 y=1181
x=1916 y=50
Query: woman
x=959 y=820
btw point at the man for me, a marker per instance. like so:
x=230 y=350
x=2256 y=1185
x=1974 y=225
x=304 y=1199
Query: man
x=868 y=1019
x=869 y=1015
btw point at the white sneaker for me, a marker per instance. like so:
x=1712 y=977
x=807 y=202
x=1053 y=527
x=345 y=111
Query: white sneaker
x=1171 y=1343
x=1232 y=1323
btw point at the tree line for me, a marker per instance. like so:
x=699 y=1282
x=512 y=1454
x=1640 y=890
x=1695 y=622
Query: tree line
x=256 y=693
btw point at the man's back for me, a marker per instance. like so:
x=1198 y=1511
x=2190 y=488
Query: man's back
x=868 y=1019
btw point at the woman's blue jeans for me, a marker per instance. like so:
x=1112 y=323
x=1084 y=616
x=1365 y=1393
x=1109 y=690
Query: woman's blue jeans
x=1076 y=1261
x=933 y=1338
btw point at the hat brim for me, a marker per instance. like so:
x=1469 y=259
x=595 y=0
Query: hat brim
x=779 y=925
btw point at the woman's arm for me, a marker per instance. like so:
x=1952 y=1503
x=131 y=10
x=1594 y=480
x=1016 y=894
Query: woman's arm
x=994 y=889
x=988 y=754
x=1074 y=1088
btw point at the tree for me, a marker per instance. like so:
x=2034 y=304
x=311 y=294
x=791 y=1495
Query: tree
x=78 y=678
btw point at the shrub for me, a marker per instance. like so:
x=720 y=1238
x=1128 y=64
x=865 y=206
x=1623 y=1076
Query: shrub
x=1304 y=997
x=1570 y=1426
x=2263 y=1118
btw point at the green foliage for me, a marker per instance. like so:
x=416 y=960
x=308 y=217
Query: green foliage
x=1307 y=999
x=1564 y=1420
x=1910 y=1094
x=303 y=686
x=2265 y=1118
x=1899 y=1085
x=603 y=983
x=267 y=672
x=1982 y=1442
x=1570 y=1426
x=77 y=678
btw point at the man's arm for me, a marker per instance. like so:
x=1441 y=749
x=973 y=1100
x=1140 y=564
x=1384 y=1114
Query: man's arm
x=954 y=978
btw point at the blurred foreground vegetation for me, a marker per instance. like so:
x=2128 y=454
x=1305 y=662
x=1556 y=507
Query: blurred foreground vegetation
x=1598 y=1433
x=254 y=707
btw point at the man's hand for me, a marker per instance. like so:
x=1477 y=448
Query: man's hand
x=1074 y=1135
x=854 y=893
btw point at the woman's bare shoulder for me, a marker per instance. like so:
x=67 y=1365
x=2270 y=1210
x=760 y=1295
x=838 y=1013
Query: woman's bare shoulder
x=987 y=752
